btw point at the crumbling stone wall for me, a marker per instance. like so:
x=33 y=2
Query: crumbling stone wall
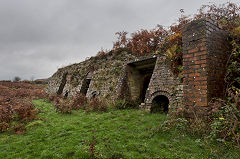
x=113 y=77
x=162 y=82
x=122 y=89
x=105 y=72
x=55 y=81
x=75 y=75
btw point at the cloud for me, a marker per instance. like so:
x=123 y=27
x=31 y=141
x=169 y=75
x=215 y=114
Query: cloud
x=37 y=37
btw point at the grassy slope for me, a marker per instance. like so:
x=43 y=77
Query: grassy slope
x=126 y=133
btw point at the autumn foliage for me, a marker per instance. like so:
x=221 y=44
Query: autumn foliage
x=16 y=105
x=77 y=102
x=168 y=40
x=223 y=115
x=223 y=118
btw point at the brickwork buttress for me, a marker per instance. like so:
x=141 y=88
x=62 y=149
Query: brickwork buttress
x=204 y=60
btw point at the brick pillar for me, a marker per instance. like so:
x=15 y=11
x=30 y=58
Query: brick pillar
x=204 y=60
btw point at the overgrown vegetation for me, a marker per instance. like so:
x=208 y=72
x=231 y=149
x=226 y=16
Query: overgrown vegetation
x=125 y=104
x=77 y=102
x=113 y=134
x=16 y=105
x=156 y=41
x=222 y=121
x=223 y=115
x=104 y=134
x=168 y=41
x=225 y=119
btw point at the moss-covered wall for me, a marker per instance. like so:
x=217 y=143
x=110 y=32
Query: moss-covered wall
x=112 y=75
x=104 y=71
x=119 y=75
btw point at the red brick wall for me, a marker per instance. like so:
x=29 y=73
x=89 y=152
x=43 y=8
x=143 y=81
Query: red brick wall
x=204 y=60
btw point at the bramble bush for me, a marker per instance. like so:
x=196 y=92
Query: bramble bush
x=168 y=41
x=98 y=105
x=222 y=121
x=225 y=114
x=62 y=104
x=16 y=105
x=78 y=101
x=24 y=111
x=5 y=118
x=225 y=119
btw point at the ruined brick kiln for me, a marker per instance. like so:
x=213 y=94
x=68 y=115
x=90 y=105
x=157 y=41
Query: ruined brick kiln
x=149 y=80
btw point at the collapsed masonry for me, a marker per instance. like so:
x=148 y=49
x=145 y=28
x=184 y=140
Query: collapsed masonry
x=149 y=80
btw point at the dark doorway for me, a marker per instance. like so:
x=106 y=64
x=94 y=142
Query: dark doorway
x=160 y=104
x=63 y=83
x=139 y=75
x=85 y=86
x=146 y=82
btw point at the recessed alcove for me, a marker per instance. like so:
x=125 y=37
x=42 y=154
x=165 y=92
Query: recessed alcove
x=85 y=86
x=139 y=76
x=62 y=84
x=160 y=104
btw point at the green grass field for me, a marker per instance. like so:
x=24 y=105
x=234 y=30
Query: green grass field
x=118 y=133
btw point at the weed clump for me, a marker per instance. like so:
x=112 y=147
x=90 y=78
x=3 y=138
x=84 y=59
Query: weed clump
x=96 y=104
x=220 y=120
x=16 y=103
x=78 y=101
x=5 y=118
x=125 y=104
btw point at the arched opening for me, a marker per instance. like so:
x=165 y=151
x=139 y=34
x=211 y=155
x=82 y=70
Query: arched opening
x=93 y=94
x=160 y=104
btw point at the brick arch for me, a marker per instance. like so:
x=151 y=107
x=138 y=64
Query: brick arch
x=163 y=93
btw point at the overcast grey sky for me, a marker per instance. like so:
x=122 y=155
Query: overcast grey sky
x=39 y=36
